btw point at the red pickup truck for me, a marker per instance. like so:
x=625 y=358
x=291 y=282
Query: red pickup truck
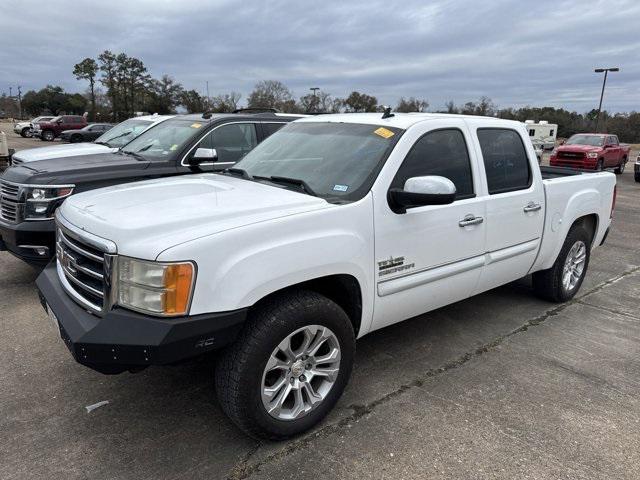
x=48 y=131
x=591 y=151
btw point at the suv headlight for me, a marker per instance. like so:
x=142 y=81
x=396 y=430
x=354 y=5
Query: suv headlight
x=162 y=289
x=592 y=155
x=42 y=201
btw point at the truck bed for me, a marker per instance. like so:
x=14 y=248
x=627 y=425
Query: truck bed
x=549 y=173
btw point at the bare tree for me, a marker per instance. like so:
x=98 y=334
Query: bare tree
x=411 y=104
x=271 y=94
x=226 y=102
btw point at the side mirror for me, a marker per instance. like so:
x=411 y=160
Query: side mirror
x=203 y=155
x=421 y=191
x=59 y=121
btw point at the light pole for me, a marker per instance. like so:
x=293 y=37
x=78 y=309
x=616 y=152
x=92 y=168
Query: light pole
x=315 y=98
x=604 y=82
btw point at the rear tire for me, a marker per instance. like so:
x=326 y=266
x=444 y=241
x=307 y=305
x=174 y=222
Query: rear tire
x=551 y=284
x=243 y=376
x=47 y=136
x=75 y=138
x=620 y=168
x=637 y=178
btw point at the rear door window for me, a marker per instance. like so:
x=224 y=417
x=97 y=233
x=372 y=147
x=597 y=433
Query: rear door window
x=233 y=141
x=505 y=160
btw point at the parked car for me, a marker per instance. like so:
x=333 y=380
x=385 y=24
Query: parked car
x=108 y=142
x=31 y=192
x=48 y=131
x=591 y=151
x=636 y=169
x=332 y=228
x=87 y=134
x=25 y=129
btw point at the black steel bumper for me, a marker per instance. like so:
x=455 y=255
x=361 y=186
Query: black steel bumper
x=123 y=340
x=19 y=239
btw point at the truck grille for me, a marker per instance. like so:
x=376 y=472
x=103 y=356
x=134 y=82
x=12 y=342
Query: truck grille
x=571 y=155
x=84 y=272
x=10 y=205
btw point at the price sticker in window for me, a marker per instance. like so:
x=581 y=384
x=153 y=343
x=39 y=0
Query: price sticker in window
x=384 y=132
x=196 y=125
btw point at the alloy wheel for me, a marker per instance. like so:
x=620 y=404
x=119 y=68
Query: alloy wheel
x=574 y=265
x=300 y=372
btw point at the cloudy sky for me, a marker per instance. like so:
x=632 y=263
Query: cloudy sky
x=517 y=52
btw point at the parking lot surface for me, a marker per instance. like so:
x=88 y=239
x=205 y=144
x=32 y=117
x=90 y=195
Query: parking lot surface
x=502 y=385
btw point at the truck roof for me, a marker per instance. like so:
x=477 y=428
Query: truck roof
x=403 y=120
x=198 y=117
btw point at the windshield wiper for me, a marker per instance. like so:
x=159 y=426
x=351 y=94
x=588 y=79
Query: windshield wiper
x=293 y=181
x=239 y=171
x=135 y=155
x=102 y=143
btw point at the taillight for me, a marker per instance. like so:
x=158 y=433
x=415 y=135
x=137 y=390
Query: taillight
x=613 y=204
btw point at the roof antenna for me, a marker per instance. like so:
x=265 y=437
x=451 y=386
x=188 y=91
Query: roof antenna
x=387 y=112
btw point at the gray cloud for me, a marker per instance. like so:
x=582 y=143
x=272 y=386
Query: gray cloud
x=517 y=53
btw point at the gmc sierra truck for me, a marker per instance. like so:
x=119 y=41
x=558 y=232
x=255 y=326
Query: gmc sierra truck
x=30 y=192
x=332 y=228
x=591 y=151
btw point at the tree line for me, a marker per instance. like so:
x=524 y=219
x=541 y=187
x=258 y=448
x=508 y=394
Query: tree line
x=118 y=86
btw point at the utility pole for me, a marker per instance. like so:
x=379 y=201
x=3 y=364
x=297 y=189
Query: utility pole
x=604 y=83
x=20 y=101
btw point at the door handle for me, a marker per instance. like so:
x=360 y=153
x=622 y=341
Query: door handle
x=469 y=220
x=532 y=207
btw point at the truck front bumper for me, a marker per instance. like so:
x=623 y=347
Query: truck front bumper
x=33 y=242
x=123 y=340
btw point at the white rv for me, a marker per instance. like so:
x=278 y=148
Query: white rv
x=543 y=133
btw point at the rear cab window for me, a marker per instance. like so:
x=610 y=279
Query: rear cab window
x=506 y=163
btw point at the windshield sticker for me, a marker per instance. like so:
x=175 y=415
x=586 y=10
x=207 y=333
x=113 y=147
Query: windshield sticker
x=384 y=133
x=173 y=147
x=196 y=125
x=341 y=188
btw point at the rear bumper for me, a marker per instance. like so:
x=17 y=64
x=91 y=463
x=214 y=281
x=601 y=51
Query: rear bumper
x=22 y=238
x=123 y=340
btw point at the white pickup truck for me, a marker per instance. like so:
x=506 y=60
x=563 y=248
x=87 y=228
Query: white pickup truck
x=332 y=228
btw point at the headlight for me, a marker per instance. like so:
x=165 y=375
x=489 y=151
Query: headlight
x=42 y=201
x=162 y=289
x=592 y=155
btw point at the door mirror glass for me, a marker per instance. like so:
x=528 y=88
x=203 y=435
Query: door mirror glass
x=203 y=155
x=420 y=191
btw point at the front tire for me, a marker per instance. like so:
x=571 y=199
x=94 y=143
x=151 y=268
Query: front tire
x=637 y=178
x=26 y=132
x=75 y=138
x=600 y=165
x=562 y=281
x=288 y=367
x=620 y=168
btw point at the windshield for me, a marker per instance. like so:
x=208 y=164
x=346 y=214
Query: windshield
x=165 y=140
x=338 y=161
x=593 y=140
x=41 y=119
x=123 y=133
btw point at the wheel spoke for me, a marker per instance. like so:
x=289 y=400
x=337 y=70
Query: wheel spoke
x=313 y=396
x=330 y=357
x=298 y=403
x=271 y=391
x=330 y=373
x=275 y=363
x=276 y=406
x=308 y=338
x=321 y=336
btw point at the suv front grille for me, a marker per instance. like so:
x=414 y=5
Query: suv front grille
x=84 y=270
x=10 y=205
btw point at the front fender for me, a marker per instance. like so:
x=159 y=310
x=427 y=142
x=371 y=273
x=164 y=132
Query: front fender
x=237 y=268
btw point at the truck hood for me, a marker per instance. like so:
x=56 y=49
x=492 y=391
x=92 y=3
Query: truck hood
x=578 y=148
x=57 y=151
x=145 y=218
x=79 y=169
